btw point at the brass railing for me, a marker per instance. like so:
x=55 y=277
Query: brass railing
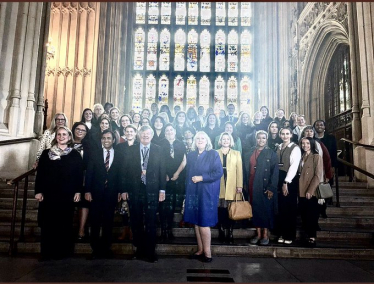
x=12 y=246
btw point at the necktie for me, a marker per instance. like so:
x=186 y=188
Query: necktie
x=172 y=151
x=106 y=163
x=145 y=155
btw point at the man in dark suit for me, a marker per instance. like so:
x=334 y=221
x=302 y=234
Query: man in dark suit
x=230 y=115
x=102 y=191
x=144 y=183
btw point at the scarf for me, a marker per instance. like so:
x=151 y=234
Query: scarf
x=55 y=153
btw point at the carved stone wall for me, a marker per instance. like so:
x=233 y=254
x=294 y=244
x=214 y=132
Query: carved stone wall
x=71 y=72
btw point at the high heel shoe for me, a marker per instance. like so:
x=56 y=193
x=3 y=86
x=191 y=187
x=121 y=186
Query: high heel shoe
x=207 y=259
x=196 y=256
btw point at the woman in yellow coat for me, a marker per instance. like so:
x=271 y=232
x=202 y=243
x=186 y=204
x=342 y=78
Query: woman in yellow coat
x=231 y=184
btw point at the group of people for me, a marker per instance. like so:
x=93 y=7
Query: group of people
x=195 y=160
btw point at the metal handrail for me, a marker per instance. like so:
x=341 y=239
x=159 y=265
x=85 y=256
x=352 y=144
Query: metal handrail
x=15 y=181
x=370 y=175
x=357 y=143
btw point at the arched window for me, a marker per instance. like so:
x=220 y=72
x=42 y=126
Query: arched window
x=191 y=54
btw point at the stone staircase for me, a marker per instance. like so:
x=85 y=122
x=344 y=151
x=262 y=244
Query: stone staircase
x=347 y=233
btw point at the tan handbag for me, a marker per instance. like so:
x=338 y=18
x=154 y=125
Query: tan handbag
x=240 y=210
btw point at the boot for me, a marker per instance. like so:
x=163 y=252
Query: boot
x=221 y=234
x=229 y=235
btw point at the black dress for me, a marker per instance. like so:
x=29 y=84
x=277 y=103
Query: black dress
x=58 y=181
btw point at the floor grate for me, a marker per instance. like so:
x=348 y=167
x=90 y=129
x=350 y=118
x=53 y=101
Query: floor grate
x=209 y=275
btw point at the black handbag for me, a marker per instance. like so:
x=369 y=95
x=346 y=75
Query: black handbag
x=324 y=191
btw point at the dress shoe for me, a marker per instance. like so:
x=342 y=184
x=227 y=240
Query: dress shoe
x=196 y=256
x=207 y=259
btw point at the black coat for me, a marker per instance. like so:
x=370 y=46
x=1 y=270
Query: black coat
x=96 y=175
x=155 y=176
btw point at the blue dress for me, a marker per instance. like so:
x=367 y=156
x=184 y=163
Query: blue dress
x=202 y=197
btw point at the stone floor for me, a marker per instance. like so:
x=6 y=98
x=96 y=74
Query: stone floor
x=26 y=268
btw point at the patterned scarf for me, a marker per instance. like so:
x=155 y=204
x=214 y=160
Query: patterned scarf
x=55 y=153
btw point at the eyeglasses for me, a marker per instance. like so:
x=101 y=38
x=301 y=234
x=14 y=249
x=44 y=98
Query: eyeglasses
x=80 y=130
x=60 y=119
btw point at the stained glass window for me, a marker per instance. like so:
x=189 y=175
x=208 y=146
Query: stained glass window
x=245 y=93
x=232 y=57
x=206 y=13
x=180 y=41
x=163 y=90
x=139 y=49
x=192 y=51
x=193 y=13
x=220 y=13
x=180 y=13
x=204 y=92
x=137 y=93
x=245 y=14
x=150 y=91
x=232 y=91
x=205 y=51
x=164 y=50
x=191 y=92
x=153 y=13
x=178 y=90
x=233 y=12
x=152 y=49
x=220 y=59
x=219 y=94
x=245 y=60
x=165 y=13
x=176 y=46
x=140 y=12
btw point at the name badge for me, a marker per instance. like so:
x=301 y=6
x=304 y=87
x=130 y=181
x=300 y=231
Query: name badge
x=281 y=164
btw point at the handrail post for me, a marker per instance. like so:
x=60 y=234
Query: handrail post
x=337 y=187
x=25 y=189
x=13 y=222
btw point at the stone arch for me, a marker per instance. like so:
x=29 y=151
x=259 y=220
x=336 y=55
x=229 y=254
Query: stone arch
x=322 y=47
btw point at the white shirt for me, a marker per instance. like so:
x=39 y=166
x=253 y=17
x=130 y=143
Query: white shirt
x=111 y=156
x=295 y=159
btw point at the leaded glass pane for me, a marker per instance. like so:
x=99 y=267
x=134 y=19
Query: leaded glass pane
x=180 y=13
x=205 y=51
x=192 y=51
x=153 y=13
x=245 y=14
x=206 y=13
x=191 y=92
x=193 y=13
x=178 y=90
x=163 y=90
x=232 y=91
x=232 y=58
x=139 y=49
x=165 y=13
x=245 y=92
x=220 y=13
x=137 y=93
x=164 y=50
x=150 y=91
x=204 y=93
x=180 y=41
x=220 y=51
x=140 y=12
x=219 y=94
x=152 y=49
x=233 y=12
x=245 y=52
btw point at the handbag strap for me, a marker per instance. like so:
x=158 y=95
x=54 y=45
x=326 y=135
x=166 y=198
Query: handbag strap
x=236 y=197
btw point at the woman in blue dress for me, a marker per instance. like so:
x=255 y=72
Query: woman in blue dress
x=204 y=171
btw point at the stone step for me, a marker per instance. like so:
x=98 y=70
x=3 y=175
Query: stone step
x=322 y=251
x=21 y=184
x=359 y=222
x=347 y=184
x=9 y=192
x=350 y=211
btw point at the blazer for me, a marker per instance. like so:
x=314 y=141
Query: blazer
x=234 y=168
x=155 y=175
x=96 y=175
x=310 y=174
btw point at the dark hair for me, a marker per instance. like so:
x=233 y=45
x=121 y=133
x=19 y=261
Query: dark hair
x=163 y=125
x=101 y=119
x=169 y=124
x=234 y=134
x=191 y=109
x=83 y=119
x=75 y=125
x=285 y=122
x=268 y=114
x=313 y=148
x=207 y=120
x=193 y=131
x=108 y=131
x=121 y=128
x=108 y=104
x=319 y=120
x=271 y=124
x=283 y=128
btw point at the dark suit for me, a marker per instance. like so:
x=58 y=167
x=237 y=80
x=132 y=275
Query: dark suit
x=143 y=199
x=104 y=198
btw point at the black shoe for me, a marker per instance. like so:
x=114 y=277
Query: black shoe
x=196 y=256
x=163 y=237
x=312 y=243
x=170 y=234
x=153 y=258
x=221 y=234
x=323 y=215
x=207 y=259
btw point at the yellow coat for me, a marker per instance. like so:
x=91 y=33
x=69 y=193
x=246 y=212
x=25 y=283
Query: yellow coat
x=234 y=168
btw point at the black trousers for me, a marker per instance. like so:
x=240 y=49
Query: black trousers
x=143 y=222
x=175 y=194
x=101 y=216
x=309 y=215
x=287 y=208
x=223 y=218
